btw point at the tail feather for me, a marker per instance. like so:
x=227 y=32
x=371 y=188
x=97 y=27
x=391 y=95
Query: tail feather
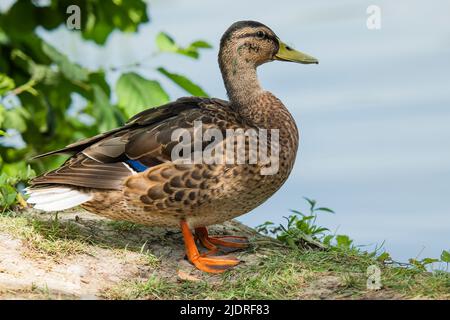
x=56 y=198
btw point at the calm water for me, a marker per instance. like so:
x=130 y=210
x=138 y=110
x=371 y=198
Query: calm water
x=374 y=115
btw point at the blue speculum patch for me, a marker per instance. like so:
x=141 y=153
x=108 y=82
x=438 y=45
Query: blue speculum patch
x=136 y=165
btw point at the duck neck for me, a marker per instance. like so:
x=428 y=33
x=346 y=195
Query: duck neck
x=241 y=81
x=259 y=107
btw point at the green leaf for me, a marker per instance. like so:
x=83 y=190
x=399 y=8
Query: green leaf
x=20 y=19
x=136 y=93
x=17 y=171
x=385 y=256
x=426 y=261
x=104 y=111
x=103 y=17
x=2 y=114
x=6 y=83
x=291 y=243
x=200 y=44
x=445 y=256
x=184 y=83
x=15 y=118
x=419 y=265
x=95 y=30
x=298 y=212
x=311 y=202
x=265 y=228
x=12 y=173
x=320 y=230
x=324 y=209
x=166 y=43
x=38 y=72
x=327 y=239
x=4 y=39
x=343 y=241
x=70 y=70
x=7 y=196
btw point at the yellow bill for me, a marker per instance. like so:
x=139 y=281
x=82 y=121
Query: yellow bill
x=286 y=53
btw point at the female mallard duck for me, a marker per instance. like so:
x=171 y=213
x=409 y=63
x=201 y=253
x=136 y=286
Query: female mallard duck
x=129 y=174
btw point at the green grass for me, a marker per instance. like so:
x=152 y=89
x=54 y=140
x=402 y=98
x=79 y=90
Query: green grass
x=59 y=240
x=277 y=272
x=44 y=237
x=289 y=274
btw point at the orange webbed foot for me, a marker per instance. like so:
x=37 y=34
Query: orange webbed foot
x=210 y=242
x=215 y=264
x=205 y=262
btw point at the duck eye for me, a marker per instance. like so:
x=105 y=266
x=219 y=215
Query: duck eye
x=260 y=35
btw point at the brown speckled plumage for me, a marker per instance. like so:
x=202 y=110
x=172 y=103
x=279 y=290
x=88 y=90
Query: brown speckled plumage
x=199 y=194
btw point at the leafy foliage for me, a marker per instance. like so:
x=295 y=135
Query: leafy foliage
x=423 y=263
x=39 y=85
x=300 y=227
x=445 y=256
x=8 y=179
x=166 y=43
x=135 y=92
x=6 y=83
x=301 y=231
x=184 y=83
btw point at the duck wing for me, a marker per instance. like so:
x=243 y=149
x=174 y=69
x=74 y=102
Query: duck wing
x=146 y=117
x=105 y=160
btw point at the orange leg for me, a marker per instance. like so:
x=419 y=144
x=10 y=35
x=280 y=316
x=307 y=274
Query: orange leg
x=213 y=264
x=209 y=242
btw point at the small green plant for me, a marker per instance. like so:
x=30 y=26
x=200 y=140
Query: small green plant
x=301 y=231
x=425 y=264
x=9 y=182
x=8 y=193
x=300 y=227
x=445 y=256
